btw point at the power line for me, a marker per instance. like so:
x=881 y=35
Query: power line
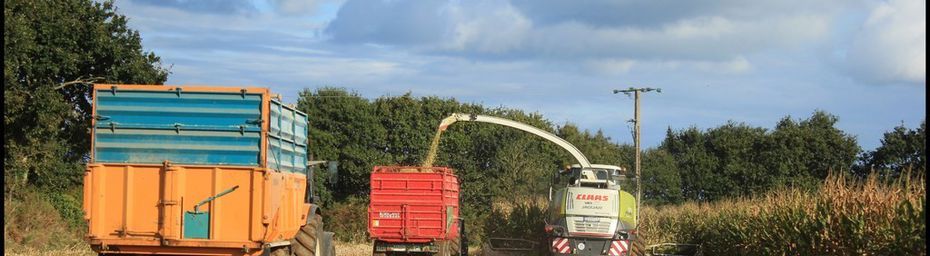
x=636 y=135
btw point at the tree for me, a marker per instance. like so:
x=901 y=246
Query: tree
x=802 y=153
x=53 y=50
x=902 y=149
x=736 y=146
x=523 y=172
x=696 y=166
x=661 y=180
x=343 y=127
x=738 y=160
x=597 y=147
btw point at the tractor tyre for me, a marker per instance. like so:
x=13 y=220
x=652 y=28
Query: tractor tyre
x=638 y=248
x=280 y=251
x=307 y=242
x=329 y=243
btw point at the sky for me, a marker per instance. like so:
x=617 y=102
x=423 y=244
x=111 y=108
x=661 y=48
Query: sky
x=755 y=62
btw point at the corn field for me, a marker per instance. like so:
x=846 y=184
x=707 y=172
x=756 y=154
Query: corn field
x=844 y=217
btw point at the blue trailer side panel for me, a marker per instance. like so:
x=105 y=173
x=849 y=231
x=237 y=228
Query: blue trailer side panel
x=287 y=139
x=210 y=128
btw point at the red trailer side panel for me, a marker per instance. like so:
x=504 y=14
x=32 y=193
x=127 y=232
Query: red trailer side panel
x=413 y=204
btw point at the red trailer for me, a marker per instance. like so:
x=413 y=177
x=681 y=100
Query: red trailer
x=414 y=210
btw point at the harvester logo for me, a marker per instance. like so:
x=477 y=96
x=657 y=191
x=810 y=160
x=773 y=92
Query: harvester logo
x=587 y=197
x=389 y=215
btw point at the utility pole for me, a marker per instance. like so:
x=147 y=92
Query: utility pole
x=639 y=180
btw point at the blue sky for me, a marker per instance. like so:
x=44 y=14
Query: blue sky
x=715 y=60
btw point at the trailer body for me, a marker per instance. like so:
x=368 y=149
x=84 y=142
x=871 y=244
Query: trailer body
x=414 y=209
x=194 y=170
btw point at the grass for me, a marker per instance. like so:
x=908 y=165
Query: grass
x=844 y=217
x=353 y=248
x=33 y=225
x=72 y=250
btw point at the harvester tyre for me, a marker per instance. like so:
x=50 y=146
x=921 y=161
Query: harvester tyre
x=307 y=242
x=638 y=248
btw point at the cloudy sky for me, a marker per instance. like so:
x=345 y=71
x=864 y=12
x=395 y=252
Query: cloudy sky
x=715 y=60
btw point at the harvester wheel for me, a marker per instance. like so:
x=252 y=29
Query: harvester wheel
x=638 y=248
x=307 y=241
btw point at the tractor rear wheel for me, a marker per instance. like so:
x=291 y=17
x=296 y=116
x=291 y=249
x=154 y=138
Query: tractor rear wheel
x=307 y=241
x=329 y=243
x=280 y=251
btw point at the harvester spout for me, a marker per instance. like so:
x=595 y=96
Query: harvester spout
x=448 y=121
x=455 y=117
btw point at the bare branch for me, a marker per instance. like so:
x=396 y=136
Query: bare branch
x=80 y=80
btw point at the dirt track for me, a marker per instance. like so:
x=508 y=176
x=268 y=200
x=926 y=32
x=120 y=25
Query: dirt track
x=352 y=249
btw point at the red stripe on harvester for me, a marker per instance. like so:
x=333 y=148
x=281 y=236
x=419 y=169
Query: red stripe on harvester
x=614 y=252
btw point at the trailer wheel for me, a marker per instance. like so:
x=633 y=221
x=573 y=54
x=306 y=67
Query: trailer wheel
x=445 y=248
x=307 y=241
x=374 y=244
x=455 y=246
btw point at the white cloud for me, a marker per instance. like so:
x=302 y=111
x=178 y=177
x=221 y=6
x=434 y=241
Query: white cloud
x=498 y=29
x=891 y=45
x=155 y=21
x=610 y=66
x=732 y=66
x=472 y=24
x=697 y=39
x=292 y=7
x=615 y=67
x=303 y=50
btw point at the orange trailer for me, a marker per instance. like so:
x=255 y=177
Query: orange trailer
x=199 y=171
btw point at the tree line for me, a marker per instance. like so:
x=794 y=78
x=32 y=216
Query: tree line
x=691 y=164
